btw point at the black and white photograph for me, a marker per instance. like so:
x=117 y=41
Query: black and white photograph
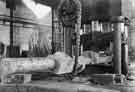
x=67 y=45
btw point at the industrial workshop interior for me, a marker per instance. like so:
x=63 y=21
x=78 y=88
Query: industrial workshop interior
x=67 y=45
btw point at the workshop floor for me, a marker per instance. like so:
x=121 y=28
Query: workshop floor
x=52 y=86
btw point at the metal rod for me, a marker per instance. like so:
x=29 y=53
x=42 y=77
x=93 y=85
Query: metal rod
x=77 y=48
x=11 y=31
x=11 y=27
x=53 y=48
x=68 y=40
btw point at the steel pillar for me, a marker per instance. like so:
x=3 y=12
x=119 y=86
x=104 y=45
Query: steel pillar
x=118 y=28
x=125 y=51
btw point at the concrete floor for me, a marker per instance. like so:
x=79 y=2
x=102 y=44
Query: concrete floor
x=52 y=86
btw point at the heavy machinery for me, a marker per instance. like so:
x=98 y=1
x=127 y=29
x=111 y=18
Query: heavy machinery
x=117 y=13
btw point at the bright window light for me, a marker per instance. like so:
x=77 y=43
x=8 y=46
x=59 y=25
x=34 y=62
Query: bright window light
x=38 y=9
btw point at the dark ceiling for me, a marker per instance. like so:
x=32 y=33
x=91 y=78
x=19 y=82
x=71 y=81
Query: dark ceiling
x=100 y=9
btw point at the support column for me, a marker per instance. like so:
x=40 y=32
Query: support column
x=118 y=28
x=125 y=51
x=12 y=6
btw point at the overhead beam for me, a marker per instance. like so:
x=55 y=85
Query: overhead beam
x=51 y=3
x=99 y=8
